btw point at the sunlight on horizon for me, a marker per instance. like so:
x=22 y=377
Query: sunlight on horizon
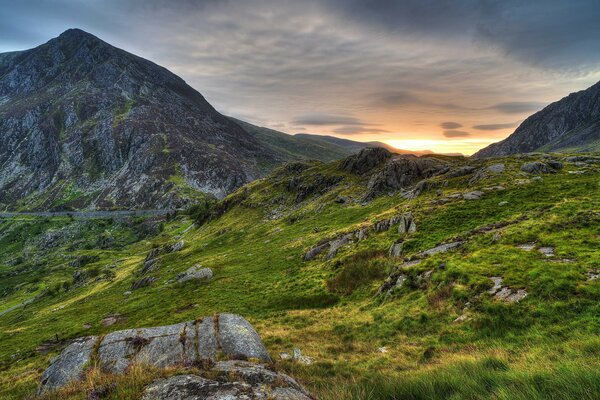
x=465 y=146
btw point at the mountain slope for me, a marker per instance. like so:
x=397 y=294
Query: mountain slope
x=294 y=147
x=570 y=124
x=441 y=332
x=84 y=124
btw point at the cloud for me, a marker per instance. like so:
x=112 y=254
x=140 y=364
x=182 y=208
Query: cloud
x=495 y=127
x=356 y=130
x=394 y=99
x=321 y=119
x=450 y=125
x=456 y=134
x=517 y=107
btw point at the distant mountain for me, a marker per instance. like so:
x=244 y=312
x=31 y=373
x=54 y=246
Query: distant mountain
x=294 y=147
x=86 y=125
x=354 y=146
x=571 y=124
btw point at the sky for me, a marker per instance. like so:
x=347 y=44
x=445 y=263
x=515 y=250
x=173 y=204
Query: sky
x=448 y=76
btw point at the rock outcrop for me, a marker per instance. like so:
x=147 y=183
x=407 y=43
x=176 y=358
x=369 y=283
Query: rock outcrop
x=366 y=160
x=185 y=344
x=402 y=172
x=195 y=273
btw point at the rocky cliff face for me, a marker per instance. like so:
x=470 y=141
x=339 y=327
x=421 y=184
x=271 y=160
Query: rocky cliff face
x=571 y=124
x=84 y=124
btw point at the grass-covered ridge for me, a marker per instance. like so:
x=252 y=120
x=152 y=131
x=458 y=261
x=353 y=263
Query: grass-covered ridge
x=407 y=345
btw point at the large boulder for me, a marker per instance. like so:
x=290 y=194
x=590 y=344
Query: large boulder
x=538 y=167
x=188 y=343
x=162 y=346
x=365 y=160
x=239 y=340
x=69 y=365
x=232 y=386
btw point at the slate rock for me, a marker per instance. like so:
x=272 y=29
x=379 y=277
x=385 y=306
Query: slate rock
x=69 y=365
x=239 y=340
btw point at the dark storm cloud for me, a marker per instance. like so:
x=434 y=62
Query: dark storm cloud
x=518 y=107
x=494 y=127
x=554 y=33
x=450 y=125
x=456 y=134
x=319 y=119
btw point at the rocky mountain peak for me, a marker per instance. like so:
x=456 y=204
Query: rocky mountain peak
x=570 y=124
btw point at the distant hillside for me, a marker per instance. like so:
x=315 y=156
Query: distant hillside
x=293 y=147
x=571 y=124
x=357 y=146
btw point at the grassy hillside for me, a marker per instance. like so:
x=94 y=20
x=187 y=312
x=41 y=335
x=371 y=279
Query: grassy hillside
x=440 y=335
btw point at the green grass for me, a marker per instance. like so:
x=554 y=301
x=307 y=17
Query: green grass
x=546 y=346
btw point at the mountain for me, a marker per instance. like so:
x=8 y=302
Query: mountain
x=354 y=146
x=295 y=147
x=571 y=124
x=84 y=124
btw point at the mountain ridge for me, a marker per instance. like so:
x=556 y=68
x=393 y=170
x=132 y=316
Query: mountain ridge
x=567 y=125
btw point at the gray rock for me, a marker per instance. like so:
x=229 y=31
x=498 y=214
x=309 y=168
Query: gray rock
x=462 y=171
x=195 y=273
x=547 y=251
x=395 y=249
x=69 y=365
x=161 y=346
x=194 y=387
x=207 y=340
x=401 y=172
x=141 y=283
x=442 y=248
x=253 y=374
x=475 y=195
x=239 y=340
x=407 y=224
x=149 y=266
x=538 y=167
x=177 y=246
x=496 y=168
x=361 y=234
x=365 y=160
x=313 y=252
x=336 y=244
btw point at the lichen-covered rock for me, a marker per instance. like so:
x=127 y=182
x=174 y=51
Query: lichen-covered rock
x=69 y=365
x=195 y=273
x=395 y=249
x=161 y=346
x=194 y=387
x=238 y=339
x=184 y=344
